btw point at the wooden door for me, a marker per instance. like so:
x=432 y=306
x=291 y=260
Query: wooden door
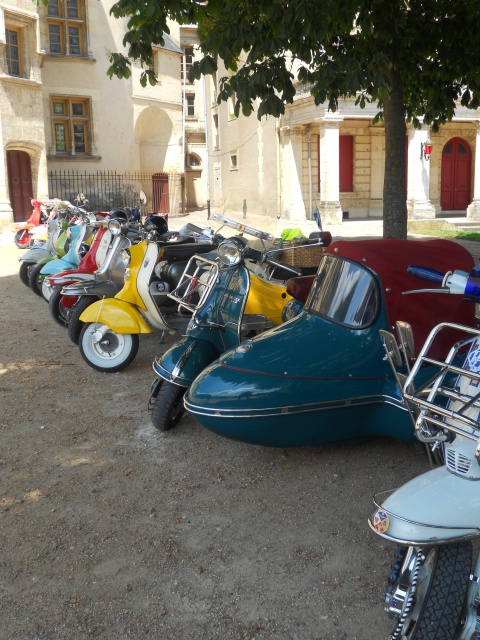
x=161 y=203
x=20 y=184
x=456 y=175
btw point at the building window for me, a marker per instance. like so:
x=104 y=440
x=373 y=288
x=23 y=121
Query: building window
x=190 y=105
x=233 y=160
x=231 y=106
x=216 y=137
x=66 y=27
x=13 y=51
x=186 y=62
x=71 y=124
x=193 y=160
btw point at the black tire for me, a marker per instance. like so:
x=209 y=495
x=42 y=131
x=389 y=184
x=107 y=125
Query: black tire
x=74 y=324
x=23 y=272
x=35 y=279
x=168 y=407
x=442 y=586
x=56 y=308
x=22 y=239
x=114 y=352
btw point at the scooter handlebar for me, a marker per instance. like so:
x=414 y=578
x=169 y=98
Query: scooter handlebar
x=283 y=265
x=425 y=273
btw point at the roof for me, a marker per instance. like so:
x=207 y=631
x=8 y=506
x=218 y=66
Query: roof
x=169 y=45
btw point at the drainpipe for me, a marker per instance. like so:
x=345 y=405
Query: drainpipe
x=207 y=144
x=279 y=180
x=309 y=152
x=184 y=194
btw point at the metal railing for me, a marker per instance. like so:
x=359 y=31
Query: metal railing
x=107 y=190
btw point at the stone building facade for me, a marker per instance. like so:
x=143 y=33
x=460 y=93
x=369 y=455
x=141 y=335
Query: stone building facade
x=60 y=111
x=312 y=159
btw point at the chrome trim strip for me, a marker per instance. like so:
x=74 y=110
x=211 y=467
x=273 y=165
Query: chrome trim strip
x=293 y=409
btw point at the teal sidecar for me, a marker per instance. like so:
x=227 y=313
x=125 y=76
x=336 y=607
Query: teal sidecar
x=321 y=378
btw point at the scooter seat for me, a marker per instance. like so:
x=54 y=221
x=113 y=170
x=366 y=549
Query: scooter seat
x=178 y=252
x=299 y=288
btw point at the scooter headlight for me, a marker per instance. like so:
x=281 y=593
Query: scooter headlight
x=231 y=251
x=115 y=226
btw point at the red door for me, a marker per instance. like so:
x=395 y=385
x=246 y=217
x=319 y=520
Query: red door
x=20 y=184
x=456 y=175
x=161 y=202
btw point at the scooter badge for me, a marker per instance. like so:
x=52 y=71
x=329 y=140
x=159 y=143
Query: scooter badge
x=380 y=521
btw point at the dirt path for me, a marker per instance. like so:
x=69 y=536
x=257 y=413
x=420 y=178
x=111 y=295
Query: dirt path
x=111 y=529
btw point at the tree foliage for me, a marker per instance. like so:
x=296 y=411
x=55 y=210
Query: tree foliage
x=413 y=58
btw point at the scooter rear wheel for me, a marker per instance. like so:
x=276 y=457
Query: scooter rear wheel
x=22 y=239
x=114 y=352
x=23 y=272
x=436 y=588
x=56 y=308
x=35 y=280
x=74 y=324
x=168 y=407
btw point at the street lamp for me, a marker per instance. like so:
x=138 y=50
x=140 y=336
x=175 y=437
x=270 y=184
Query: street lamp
x=426 y=149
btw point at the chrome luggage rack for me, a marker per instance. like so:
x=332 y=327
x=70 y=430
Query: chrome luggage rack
x=450 y=398
x=198 y=279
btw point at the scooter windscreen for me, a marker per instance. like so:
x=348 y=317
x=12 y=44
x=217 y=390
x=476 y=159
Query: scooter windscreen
x=344 y=292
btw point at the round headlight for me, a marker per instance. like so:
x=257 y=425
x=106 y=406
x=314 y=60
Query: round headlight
x=114 y=227
x=231 y=252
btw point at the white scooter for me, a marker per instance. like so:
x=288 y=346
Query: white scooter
x=432 y=592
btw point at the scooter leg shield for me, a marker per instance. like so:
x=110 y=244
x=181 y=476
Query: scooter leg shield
x=120 y=316
x=183 y=362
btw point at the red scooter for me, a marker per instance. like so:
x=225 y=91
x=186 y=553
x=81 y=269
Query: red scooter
x=22 y=229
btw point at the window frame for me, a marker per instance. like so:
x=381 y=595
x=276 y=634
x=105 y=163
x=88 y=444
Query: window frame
x=70 y=120
x=233 y=154
x=19 y=59
x=189 y=105
x=185 y=65
x=64 y=22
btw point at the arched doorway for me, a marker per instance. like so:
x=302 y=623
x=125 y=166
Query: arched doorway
x=456 y=175
x=20 y=188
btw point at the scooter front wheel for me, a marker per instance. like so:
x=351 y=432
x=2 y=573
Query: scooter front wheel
x=23 y=272
x=168 y=407
x=56 y=308
x=22 y=239
x=75 y=325
x=105 y=350
x=35 y=280
x=428 y=592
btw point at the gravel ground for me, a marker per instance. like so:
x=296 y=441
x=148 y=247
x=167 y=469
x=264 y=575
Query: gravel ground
x=110 y=529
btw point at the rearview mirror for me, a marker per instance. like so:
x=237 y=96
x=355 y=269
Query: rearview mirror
x=391 y=347
x=405 y=335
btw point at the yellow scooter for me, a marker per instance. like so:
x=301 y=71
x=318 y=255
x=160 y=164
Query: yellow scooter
x=109 y=340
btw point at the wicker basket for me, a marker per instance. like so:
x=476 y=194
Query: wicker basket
x=298 y=254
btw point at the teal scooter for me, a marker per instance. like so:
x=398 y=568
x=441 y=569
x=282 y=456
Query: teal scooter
x=321 y=378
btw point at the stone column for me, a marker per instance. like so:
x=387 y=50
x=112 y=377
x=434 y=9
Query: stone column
x=6 y=212
x=418 y=187
x=329 y=205
x=473 y=209
x=293 y=205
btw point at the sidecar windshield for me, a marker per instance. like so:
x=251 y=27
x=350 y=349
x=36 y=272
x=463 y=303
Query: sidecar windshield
x=344 y=292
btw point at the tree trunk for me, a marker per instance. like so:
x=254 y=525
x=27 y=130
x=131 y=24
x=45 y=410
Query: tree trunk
x=395 y=184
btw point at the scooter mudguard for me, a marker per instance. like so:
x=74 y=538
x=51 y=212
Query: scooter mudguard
x=35 y=255
x=319 y=395
x=116 y=314
x=55 y=266
x=182 y=363
x=427 y=510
